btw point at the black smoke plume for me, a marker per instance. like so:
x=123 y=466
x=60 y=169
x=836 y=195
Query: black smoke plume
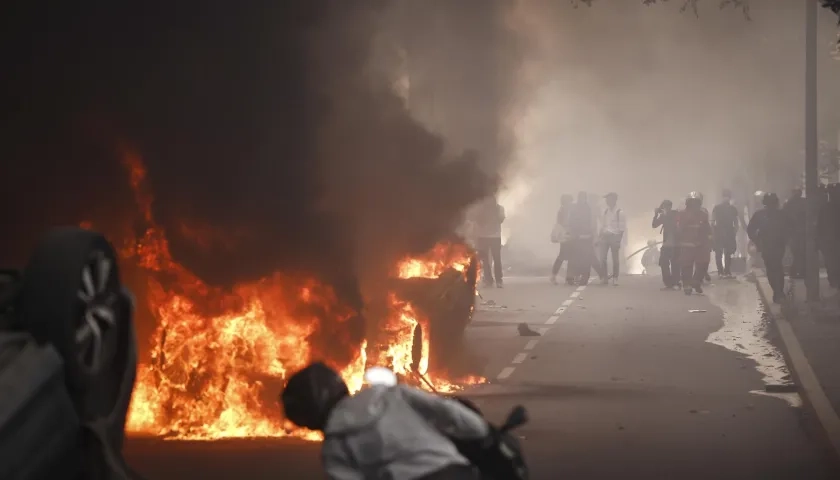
x=271 y=141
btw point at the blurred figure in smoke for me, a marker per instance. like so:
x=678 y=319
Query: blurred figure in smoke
x=706 y=276
x=582 y=227
x=828 y=232
x=665 y=217
x=613 y=226
x=694 y=233
x=489 y=220
x=769 y=231
x=650 y=259
x=795 y=208
x=560 y=235
x=725 y=227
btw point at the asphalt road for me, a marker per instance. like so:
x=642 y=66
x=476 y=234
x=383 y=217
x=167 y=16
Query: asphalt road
x=624 y=382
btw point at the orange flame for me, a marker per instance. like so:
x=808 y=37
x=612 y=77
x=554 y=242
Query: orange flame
x=219 y=358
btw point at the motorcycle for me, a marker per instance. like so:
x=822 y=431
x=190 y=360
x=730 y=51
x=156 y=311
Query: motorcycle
x=500 y=458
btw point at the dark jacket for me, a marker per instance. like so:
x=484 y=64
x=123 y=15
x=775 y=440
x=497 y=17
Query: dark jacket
x=795 y=209
x=668 y=222
x=581 y=221
x=769 y=229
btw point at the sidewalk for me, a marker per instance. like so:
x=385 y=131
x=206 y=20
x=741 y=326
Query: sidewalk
x=817 y=327
x=811 y=334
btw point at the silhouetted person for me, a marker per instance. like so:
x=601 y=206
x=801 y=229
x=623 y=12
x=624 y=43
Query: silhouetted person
x=795 y=209
x=724 y=227
x=694 y=234
x=489 y=242
x=613 y=226
x=581 y=235
x=769 y=229
x=562 y=227
x=708 y=244
x=828 y=233
x=666 y=218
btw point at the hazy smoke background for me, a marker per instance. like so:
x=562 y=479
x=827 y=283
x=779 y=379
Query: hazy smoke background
x=653 y=103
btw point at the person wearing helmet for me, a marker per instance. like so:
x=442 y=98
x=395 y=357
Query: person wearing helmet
x=694 y=233
x=768 y=230
x=725 y=228
x=382 y=431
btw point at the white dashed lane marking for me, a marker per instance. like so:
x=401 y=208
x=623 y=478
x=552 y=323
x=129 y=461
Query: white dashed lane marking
x=521 y=357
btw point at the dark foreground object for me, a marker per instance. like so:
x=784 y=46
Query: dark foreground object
x=67 y=361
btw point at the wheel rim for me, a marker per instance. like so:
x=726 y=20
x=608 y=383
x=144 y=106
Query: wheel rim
x=98 y=311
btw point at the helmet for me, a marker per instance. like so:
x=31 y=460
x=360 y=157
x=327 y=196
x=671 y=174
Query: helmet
x=311 y=394
x=770 y=200
x=694 y=199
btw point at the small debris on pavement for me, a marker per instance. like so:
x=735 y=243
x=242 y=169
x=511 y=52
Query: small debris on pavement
x=781 y=388
x=628 y=308
x=696 y=311
x=525 y=331
x=534 y=357
x=620 y=426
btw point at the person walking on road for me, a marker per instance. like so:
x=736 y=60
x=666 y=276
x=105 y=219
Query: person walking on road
x=694 y=234
x=613 y=226
x=665 y=217
x=795 y=209
x=559 y=235
x=581 y=233
x=769 y=230
x=724 y=228
x=489 y=242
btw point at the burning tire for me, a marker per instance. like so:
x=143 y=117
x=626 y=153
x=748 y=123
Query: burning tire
x=72 y=298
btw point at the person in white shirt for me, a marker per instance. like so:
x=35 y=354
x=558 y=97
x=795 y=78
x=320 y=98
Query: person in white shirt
x=613 y=226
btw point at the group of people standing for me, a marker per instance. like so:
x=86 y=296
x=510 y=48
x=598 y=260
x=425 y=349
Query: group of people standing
x=690 y=235
x=773 y=230
x=688 y=238
x=579 y=230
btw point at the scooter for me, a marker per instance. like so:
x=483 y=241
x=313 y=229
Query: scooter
x=499 y=459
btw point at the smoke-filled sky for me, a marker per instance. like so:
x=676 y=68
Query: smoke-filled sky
x=334 y=136
x=653 y=103
x=272 y=126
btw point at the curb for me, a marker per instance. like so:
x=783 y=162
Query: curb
x=809 y=383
